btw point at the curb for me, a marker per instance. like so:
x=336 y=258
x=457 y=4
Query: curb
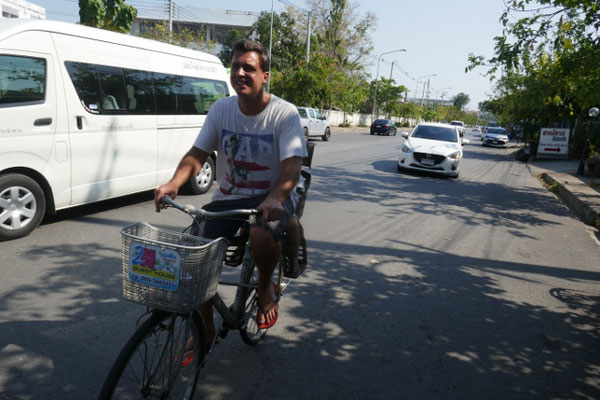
x=585 y=212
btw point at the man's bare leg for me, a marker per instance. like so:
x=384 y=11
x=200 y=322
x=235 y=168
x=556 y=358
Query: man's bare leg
x=265 y=252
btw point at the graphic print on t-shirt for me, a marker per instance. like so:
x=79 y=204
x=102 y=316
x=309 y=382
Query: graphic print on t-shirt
x=247 y=156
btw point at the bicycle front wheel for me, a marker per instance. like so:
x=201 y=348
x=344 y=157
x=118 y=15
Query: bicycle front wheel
x=161 y=360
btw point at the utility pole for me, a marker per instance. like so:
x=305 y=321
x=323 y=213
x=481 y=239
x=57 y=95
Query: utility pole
x=270 y=49
x=171 y=16
x=308 y=36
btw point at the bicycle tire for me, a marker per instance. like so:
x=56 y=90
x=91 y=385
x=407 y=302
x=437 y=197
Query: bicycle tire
x=249 y=331
x=144 y=367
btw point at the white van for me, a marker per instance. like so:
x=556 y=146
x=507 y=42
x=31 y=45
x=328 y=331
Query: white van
x=87 y=115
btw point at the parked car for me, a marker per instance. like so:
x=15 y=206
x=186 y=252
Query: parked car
x=460 y=125
x=314 y=123
x=476 y=128
x=495 y=137
x=385 y=126
x=434 y=148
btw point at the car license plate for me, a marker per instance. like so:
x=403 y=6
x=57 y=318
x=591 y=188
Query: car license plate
x=427 y=161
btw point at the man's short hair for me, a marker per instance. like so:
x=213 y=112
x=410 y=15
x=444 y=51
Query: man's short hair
x=246 y=45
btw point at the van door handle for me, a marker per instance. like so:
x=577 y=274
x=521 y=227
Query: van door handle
x=79 y=122
x=42 y=121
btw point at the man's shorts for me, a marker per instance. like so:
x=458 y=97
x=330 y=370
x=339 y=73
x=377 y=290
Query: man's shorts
x=227 y=227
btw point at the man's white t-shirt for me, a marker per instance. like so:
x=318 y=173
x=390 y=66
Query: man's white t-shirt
x=250 y=148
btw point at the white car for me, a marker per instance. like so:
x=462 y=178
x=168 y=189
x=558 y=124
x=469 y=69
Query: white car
x=314 y=123
x=495 y=137
x=460 y=125
x=432 y=147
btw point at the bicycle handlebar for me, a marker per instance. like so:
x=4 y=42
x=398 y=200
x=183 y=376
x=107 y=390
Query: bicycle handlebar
x=166 y=201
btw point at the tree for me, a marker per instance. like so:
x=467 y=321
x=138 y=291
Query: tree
x=231 y=37
x=307 y=84
x=549 y=60
x=287 y=49
x=461 y=100
x=340 y=33
x=112 y=15
x=389 y=96
x=186 y=37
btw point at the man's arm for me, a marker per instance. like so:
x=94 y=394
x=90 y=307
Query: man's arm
x=190 y=165
x=287 y=180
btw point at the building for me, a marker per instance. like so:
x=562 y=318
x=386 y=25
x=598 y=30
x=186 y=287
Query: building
x=214 y=23
x=21 y=9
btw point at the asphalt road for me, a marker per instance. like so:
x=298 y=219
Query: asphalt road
x=484 y=287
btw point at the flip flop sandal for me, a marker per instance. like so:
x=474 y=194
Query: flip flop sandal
x=265 y=311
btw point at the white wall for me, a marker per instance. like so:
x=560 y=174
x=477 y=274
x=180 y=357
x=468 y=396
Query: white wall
x=336 y=118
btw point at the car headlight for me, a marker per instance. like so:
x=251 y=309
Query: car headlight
x=406 y=149
x=455 y=155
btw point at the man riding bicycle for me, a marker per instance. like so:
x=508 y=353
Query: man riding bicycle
x=260 y=143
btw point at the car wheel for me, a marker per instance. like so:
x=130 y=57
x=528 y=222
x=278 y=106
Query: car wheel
x=202 y=182
x=22 y=206
x=327 y=135
x=306 y=133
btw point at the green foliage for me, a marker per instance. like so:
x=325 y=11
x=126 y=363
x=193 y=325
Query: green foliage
x=231 y=37
x=461 y=100
x=288 y=49
x=307 y=84
x=184 y=38
x=389 y=96
x=548 y=62
x=112 y=15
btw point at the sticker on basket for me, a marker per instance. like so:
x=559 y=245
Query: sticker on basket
x=154 y=266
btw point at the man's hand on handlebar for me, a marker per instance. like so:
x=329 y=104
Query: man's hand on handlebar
x=271 y=209
x=168 y=189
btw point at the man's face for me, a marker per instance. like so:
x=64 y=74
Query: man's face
x=247 y=77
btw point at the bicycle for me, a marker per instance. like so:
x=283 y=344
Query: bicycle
x=164 y=356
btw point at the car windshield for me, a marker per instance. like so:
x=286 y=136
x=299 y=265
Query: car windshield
x=497 y=131
x=382 y=121
x=456 y=123
x=435 y=133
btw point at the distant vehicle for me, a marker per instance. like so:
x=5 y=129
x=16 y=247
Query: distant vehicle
x=460 y=125
x=385 y=126
x=495 y=137
x=432 y=147
x=87 y=115
x=314 y=124
x=476 y=128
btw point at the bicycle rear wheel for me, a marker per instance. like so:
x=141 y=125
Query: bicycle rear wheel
x=249 y=331
x=152 y=365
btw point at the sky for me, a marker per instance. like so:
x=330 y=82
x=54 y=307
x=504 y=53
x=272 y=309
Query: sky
x=438 y=36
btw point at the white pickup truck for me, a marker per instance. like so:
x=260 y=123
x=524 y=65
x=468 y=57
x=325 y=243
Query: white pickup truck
x=461 y=127
x=314 y=124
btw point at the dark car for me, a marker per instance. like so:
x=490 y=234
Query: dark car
x=385 y=126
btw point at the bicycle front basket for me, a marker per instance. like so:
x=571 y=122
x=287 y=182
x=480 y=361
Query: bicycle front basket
x=169 y=270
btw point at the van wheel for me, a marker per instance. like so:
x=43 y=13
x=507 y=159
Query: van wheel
x=202 y=182
x=327 y=135
x=22 y=206
x=306 y=133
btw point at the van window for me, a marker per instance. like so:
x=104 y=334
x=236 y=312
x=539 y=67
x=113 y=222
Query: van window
x=109 y=90
x=311 y=113
x=165 y=92
x=302 y=113
x=22 y=80
x=139 y=92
